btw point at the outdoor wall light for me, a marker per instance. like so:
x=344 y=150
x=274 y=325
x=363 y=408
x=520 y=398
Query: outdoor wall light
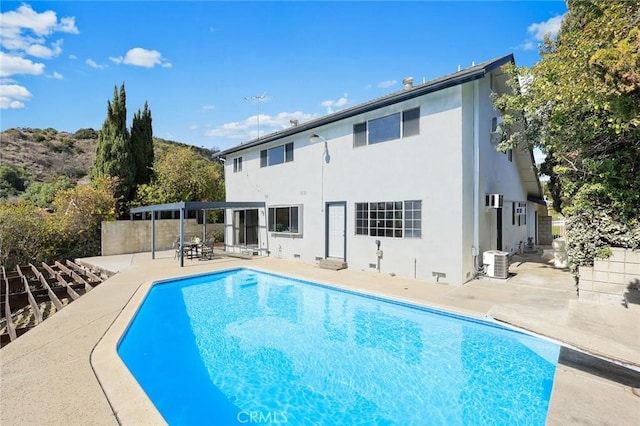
x=314 y=138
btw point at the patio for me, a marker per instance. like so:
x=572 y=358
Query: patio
x=66 y=371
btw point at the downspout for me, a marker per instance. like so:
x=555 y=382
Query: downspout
x=475 y=251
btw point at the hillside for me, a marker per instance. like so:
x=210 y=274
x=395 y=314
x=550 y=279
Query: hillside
x=45 y=154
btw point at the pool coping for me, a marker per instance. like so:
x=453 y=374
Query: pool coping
x=135 y=407
x=132 y=406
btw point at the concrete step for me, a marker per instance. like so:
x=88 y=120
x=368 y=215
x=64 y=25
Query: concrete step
x=333 y=264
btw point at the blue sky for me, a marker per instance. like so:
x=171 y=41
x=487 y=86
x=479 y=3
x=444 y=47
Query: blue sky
x=202 y=66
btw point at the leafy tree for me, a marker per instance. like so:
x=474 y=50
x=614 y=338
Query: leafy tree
x=23 y=235
x=78 y=215
x=581 y=103
x=142 y=145
x=12 y=181
x=42 y=194
x=29 y=233
x=182 y=175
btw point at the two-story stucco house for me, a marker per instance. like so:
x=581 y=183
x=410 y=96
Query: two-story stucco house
x=397 y=185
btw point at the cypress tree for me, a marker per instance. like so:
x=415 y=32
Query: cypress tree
x=142 y=145
x=114 y=156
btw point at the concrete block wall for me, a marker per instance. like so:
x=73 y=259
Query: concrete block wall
x=608 y=280
x=544 y=230
x=134 y=236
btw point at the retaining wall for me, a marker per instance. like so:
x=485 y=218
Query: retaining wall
x=134 y=236
x=611 y=280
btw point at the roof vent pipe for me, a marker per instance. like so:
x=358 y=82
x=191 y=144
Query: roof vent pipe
x=407 y=83
x=293 y=122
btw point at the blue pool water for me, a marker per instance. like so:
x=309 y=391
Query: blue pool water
x=247 y=347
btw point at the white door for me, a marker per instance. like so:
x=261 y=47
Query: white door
x=336 y=231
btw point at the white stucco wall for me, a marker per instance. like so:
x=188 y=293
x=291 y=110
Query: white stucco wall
x=498 y=175
x=435 y=167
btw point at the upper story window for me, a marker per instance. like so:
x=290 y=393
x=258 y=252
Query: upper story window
x=393 y=126
x=237 y=165
x=276 y=155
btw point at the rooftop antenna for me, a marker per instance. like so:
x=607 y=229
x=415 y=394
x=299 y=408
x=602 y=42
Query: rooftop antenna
x=257 y=98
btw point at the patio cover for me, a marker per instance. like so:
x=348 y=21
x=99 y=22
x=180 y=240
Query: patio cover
x=183 y=207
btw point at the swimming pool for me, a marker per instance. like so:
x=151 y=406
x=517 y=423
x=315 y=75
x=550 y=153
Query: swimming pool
x=249 y=347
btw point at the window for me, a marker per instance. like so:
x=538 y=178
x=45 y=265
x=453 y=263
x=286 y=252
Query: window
x=413 y=219
x=237 y=165
x=390 y=127
x=263 y=158
x=411 y=122
x=359 y=134
x=519 y=213
x=389 y=219
x=284 y=219
x=362 y=218
x=276 y=155
x=384 y=128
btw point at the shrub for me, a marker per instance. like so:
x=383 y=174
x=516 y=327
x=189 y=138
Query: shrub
x=87 y=133
x=591 y=234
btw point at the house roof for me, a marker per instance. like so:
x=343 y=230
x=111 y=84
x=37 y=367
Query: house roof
x=468 y=74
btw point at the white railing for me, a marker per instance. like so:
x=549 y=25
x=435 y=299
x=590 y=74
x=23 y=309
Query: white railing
x=559 y=228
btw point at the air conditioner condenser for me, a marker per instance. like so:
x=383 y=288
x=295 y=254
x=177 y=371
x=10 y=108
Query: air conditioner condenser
x=496 y=263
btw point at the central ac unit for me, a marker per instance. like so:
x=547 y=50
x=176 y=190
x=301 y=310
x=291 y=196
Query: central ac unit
x=493 y=201
x=497 y=263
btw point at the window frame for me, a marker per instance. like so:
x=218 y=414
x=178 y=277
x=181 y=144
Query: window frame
x=237 y=165
x=408 y=125
x=392 y=219
x=267 y=158
x=409 y=121
x=272 y=217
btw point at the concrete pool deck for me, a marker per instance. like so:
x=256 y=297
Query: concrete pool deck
x=66 y=371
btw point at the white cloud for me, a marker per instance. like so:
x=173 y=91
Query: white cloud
x=25 y=32
x=68 y=25
x=94 y=64
x=331 y=104
x=248 y=128
x=387 y=83
x=550 y=26
x=528 y=45
x=44 y=52
x=12 y=96
x=208 y=107
x=12 y=65
x=23 y=28
x=144 y=58
x=73 y=57
x=538 y=30
x=116 y=59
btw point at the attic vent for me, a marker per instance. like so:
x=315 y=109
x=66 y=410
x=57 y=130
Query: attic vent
x=407 y=83
x=293 y=122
